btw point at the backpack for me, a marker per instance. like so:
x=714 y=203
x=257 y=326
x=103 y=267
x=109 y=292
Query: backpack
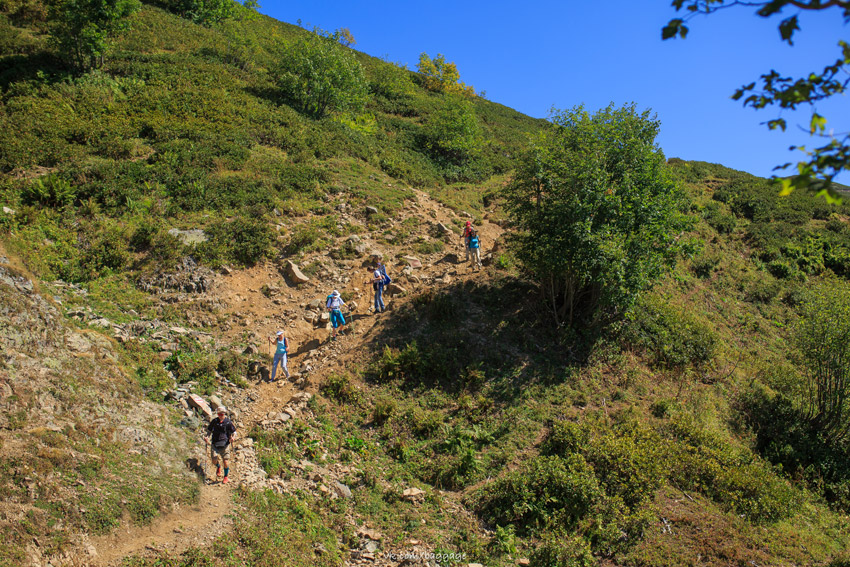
x=473 y=240
x=387 y=280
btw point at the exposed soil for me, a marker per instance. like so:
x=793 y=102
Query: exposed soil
x=252 y=315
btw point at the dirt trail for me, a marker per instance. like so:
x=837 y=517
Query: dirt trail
x=252 y=315
x=185 y=527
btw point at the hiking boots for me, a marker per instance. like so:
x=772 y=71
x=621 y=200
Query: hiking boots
x=224 y=480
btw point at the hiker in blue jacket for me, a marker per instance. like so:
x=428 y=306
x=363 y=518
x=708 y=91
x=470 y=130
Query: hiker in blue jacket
x=282 y=345
x=378 y=281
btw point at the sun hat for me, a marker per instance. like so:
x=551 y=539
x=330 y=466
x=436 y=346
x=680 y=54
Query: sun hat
x=468 y=223
x=221 y=409
x=335 y=293
x=279 y=333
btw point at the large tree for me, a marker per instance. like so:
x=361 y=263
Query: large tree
x=831 y=155
x=598 y=217
x=823 y=335
x=82 y=28
x=318 y=75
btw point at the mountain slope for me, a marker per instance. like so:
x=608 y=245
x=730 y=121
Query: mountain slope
x=173 y=209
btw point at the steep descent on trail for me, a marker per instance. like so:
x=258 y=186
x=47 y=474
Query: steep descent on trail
x=257 y=301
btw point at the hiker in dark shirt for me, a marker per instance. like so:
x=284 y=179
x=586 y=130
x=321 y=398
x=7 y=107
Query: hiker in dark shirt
x=221 y=432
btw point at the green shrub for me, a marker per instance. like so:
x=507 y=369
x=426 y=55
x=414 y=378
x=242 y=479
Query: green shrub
x=734 y=477
x=823 y=336
x=675 y=338
x=661 y=408
x=762 y=290
x=340 y=388
x=398 y=364
x=384 y=409
x=200 y=367
x=245 y=240
x=719 y=221
x=391 y=80
x=629 y=459
x=546 y=491
x=50 y=191
x=103 y=250
x=705 y=264
x=560 y=549
x=780 y=269
x=452 y=134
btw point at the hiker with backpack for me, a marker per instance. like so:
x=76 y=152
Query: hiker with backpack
x=466 y=235
x=334 y=304
x=282 y=346
x=379 y=280
x=220 y=434
x=473 y=248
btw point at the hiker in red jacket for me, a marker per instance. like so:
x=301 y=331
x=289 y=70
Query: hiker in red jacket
x=468 y=231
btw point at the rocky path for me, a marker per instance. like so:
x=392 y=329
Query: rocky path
x=253 y=304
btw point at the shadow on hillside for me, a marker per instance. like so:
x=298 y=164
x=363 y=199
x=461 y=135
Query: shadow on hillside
x=42 y=66
x=270 y=94
x=468 y=336
x=787 y=439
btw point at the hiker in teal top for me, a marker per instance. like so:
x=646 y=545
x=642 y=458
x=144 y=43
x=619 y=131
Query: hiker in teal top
x=473 y=247
x=279 y=354
x=466 y=235
x=334 y=305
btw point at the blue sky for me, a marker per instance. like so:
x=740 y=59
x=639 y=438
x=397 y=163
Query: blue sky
x=539 y=54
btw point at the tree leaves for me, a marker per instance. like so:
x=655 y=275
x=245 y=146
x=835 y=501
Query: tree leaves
x=787 y=29
x=597 y=214
x=824 y=162
x=319 y=75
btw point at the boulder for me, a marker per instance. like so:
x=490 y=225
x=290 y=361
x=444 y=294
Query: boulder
x=295 y=273
x=201 y=405
x=395 y=289
x=215 y=402
x=342 y=490
x=371 y=211
x=77 y=343
x=189 y=237
x=367 y=533
x=413 y=494
x=413 y=261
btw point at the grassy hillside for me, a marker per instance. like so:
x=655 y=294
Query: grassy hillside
x=673 y=438
x=185 y=125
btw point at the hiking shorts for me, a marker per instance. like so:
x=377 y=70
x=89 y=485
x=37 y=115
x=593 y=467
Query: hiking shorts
x=336 y=318
x=215 y=453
